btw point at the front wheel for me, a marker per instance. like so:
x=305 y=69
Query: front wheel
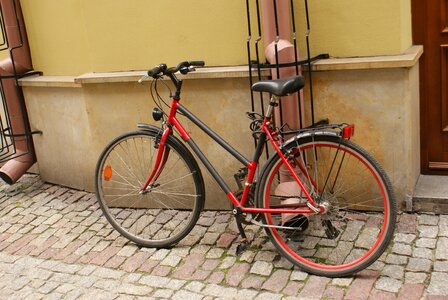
x=360 y=206
x=166 y=211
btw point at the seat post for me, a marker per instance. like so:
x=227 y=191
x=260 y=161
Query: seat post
x=272 y=103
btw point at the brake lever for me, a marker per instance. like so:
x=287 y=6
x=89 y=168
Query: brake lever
x=143 y=79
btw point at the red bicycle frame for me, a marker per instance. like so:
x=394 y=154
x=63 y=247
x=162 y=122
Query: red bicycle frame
x=267 y=133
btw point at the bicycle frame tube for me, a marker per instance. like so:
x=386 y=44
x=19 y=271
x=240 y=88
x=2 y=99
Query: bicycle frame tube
x=251 y=165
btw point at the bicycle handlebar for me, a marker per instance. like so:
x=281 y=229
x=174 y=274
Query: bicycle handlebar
x=184 y=67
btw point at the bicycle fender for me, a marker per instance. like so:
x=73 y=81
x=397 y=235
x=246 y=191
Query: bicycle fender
x=307 y=134
x=149 y=127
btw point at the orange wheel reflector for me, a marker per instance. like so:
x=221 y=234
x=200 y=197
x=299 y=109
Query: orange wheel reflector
x=107 y=173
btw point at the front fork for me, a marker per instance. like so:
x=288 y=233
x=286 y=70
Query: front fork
x=162 y=156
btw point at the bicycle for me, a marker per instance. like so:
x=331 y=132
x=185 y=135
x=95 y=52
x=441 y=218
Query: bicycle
x=325 y=203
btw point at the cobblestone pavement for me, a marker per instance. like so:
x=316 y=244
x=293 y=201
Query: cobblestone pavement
x=55 y=244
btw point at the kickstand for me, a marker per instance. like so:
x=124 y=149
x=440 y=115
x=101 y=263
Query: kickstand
x=244 y=243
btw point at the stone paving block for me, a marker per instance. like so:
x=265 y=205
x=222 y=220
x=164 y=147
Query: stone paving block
x=246 y=294
x=442 y=249
x=219 y=291
x=261 y=268
x=268 y=256
x=227 y=262
x=428 y=219
x=48 y=287
x=268 y=296
x=216 y=277
x=298 y=275
x=253 y=282
x=361 y=285
x=388 y=284
x=419 y=265
x=236 y=273
x=407 y=223
x=314 y=287
x=411 y=292
x=422 y=253
x=127 y=251
x=161 y=271
x=160 y=254
x=402 y=249
x=195 y=286
x=426 y=243
x=397 y=259
x=135 y=261
x=108 y=273
x=225 y=240
x=405 y=238
x=415 y=278
x=393 y=271
x=210 y=238
x=215 y=253
x=283 y=263
x=428 y=231
x=277 y=281
x=115 y=262
x=441 y=266
x=334 y=293
x=154 y=281
x=134 y=289
x=164 y=293
x=182 y=295
x=438 y=284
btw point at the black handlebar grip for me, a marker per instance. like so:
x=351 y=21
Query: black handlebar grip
x=197 y=63
x=154 y=72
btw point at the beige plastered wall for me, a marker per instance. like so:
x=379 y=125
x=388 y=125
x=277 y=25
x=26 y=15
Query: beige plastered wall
x=384 y=106
x=72 y=37
x=79 y=119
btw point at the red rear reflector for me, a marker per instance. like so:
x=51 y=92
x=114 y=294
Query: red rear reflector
x=107 y=173
x=348 y=131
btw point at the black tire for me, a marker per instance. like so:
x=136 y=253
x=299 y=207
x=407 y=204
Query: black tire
x=357 y=191
x=169 y=210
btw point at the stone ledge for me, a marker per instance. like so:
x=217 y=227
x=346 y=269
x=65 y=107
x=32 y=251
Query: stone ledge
x=405 y=60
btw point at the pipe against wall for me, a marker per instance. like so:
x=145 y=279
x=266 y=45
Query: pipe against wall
x=19 y=62
x=278 y=50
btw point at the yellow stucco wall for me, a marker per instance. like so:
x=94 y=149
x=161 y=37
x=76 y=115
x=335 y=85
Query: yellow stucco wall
x=70 y=37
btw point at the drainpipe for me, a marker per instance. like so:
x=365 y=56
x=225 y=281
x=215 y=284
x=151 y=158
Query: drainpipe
x=286 y=54
x=279 y=50
x=18 y=63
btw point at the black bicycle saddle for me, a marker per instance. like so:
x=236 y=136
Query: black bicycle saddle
x=280 y=87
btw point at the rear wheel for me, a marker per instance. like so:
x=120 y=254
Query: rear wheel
x=166 y=211
x=360 y=216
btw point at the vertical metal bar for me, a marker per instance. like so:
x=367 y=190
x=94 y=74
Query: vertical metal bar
x=258 y=66
x=309 y=60
x=296 y=57
x=249 y=33
x=277 y=38
x=258 y=53
x=294 y=36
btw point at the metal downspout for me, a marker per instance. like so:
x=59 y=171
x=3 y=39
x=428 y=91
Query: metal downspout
x=278 y=50
x=18 y=63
